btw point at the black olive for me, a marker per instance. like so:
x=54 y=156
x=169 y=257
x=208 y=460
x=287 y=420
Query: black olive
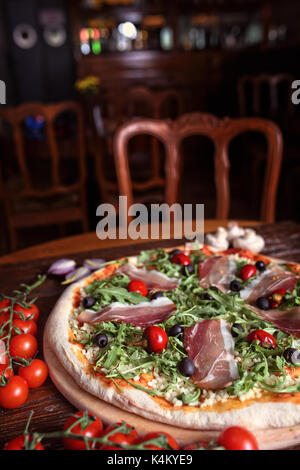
x=263 y=303
x=88 y=301
x=156 y=295
x=188 y=269
x=260 y=265
x=186 y=367
x=175 y=330
x=292 y=355
x=237 y=326
x=101 y=340
x=235 y=286
x=174 y=252
x=207 y=297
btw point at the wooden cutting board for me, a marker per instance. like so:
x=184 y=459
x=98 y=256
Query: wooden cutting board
x=268 y=439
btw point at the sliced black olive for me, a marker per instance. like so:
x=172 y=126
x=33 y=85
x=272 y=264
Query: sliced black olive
x=186 y=367
x=101 y=340
x=188 y=269
x=292 y=355
x=175 y=330
x=236 y=326
x=260 y=265
x=156 y=295
x=235 y=286
x=88 y=301
x=263 y=303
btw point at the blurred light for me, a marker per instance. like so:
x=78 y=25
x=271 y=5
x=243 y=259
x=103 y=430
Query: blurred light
x=128 y=30
x=96 y=46
x=84 y=35
x=85 y=48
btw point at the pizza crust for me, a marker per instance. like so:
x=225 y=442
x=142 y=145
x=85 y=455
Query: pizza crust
x=269 y=411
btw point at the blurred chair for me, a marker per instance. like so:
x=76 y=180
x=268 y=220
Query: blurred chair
x=34 y=189
x=221 y=132
x=138 y=101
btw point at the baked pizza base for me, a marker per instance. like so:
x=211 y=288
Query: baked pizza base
x=270 y=410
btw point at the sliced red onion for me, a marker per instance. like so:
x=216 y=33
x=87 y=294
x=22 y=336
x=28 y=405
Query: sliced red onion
x=62 y=267
x=76 y=275
x=94 y=264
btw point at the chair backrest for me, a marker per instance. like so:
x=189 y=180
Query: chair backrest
x=153 y=100
x=15 y=118
x=252 y=87
x=221 y=132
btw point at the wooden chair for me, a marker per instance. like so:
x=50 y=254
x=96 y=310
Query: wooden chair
x=221 y=132
x=58 y=203
x=124 y=106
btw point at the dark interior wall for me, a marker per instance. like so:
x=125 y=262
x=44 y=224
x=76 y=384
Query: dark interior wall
x=41 y=72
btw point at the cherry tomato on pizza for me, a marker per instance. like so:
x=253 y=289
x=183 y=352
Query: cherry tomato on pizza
x=119 y=437
x=28 y=313
x=237 y=438
x=181 y=258
x=90 y=426
x=35 y=373
x=18 y=443
x=263 y=337
x=153 y=435
x=14 y=394
x=247 y=271
x=24 y=346
x=157 y=339
x=138 y=286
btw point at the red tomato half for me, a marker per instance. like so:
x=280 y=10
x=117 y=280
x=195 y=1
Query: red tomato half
x=138 y=286
x=265 y=339
x=88 y=428
x=237 y=438
x=24 y=346
x=35 y=374
x=119 y=437
x=18 y=444
x=30 y=313
x=152 y=435
x=14 y=394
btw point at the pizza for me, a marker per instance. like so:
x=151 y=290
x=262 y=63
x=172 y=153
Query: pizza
x=190 y=337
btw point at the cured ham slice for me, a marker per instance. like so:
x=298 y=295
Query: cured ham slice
x=152 y=278
x=268 y=282
x=210 y=346
x=142 y=314
x=286 y=320
x=216 y=271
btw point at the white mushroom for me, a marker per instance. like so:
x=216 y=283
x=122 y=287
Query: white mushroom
x=250 y=241
x=234 y=231
x=218 y=241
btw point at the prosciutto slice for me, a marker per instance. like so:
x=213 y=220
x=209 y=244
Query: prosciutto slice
x=286 y=320
x=210 y=346
x=216 y=271
x=142 y=314
x=269 y=281
x=152 y=278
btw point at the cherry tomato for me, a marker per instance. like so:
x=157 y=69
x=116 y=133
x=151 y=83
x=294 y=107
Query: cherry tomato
x=14 y=394
x=280 y=292
x=157 y=339
x=26 y=327
x=119 y=437
x=237 y=438
x=24 y=346
x=4 y=304
x=195 y=446
x=138 y=286
x=153 y=435
x=265 y=339
x=181 y=258
x=30 y=313
x=35 y=374
x=4 y=360
x=247 y=271
x=91 y=426
x=6 y=371
x=4 y=317
x=18 y=444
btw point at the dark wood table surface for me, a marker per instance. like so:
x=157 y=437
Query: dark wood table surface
x=50 y=407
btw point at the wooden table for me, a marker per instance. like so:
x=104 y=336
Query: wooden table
x=50 y=407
